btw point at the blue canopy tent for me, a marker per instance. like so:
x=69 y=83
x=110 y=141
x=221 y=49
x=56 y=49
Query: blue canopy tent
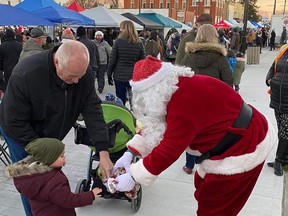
x=31 y=5
x=256 y=24
x=64 y=16
x=16 y=16
x=158 y=18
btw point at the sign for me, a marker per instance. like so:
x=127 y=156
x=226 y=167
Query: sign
x=180 y=14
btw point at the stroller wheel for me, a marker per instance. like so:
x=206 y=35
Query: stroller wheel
x=81 y=186
x=136 y=203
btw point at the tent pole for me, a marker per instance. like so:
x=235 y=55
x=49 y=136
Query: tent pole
x=139 y=6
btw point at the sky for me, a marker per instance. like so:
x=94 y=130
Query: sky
x=267 y=6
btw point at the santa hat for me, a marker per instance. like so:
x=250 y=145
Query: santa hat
x=148 y=72
x=67 y=31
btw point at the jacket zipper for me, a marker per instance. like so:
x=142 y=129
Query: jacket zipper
x=65 y=110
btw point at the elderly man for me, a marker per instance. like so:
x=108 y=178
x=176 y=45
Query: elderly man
x=46 y=94
x=34 y=43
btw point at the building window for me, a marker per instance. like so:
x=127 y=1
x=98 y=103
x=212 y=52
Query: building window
x=151 y=3
x=207 y=3
x=132 y=4
x=143 y=3
x=161 y=4
x=168 y=4
x=194 y=2
x=184 y=3
x=176 y=4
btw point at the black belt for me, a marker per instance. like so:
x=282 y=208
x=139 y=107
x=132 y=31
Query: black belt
x=230 y=139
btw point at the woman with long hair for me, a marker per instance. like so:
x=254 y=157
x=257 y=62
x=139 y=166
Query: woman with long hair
x=126 y=51
x=207 y=56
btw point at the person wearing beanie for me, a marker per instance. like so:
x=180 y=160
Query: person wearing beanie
x=231 y=138
x=67 y=34
x=40 y=178
x=94 y=62
x=9 y=55
x=104 y=53
x=190 y=36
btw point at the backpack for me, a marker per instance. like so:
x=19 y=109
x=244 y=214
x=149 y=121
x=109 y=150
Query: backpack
x=152 y=48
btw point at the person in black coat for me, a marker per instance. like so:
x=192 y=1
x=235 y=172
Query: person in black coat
x=92 y=48
x=46 y=93
x=272 y=40
x=9 y=55
x=126 y=51
x=277 y=79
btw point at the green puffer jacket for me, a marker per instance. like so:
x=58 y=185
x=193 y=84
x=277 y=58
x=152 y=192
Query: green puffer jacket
x=190 y=37
x=239 y=69
x=208 y=59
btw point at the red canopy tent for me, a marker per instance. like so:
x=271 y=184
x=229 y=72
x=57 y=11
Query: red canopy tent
x=222 y=24
x=75 y=6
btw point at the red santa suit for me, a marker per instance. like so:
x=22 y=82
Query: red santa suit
x=181 y=112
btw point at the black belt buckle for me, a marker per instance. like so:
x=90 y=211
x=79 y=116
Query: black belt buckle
x=200 y=159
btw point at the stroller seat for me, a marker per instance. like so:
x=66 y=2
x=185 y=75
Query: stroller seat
x=121 y=125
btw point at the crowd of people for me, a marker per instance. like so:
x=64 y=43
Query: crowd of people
x=47 y=84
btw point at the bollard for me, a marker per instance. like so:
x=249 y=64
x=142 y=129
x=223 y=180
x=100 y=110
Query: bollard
x=253 y=55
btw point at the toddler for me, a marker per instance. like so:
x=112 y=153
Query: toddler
x=239 y=69
x=39 y=177
x=232 y=60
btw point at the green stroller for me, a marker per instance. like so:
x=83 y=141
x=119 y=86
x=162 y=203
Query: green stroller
x=121 y=124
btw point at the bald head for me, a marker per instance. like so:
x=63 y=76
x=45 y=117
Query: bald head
x=71 y=61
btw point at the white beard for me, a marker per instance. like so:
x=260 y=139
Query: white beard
x=149 y=106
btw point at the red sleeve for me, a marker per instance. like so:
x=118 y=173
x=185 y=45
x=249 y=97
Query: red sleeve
x=197 y=114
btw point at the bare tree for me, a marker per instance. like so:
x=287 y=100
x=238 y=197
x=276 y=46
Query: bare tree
x=94 y=3
x=86 y=3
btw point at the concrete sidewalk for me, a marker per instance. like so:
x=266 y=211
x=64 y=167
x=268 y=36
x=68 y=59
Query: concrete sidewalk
x=172 y=193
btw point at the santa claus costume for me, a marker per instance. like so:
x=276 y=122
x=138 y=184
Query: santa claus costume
x=181 y=111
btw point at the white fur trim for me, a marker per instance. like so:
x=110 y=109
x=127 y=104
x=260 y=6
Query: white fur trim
x=193 y=152
x=138 y=142
x=243 y=163
x=147 y=83
x=141 y=174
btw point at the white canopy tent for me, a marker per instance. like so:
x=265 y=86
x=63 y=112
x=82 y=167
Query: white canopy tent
x=106 y=18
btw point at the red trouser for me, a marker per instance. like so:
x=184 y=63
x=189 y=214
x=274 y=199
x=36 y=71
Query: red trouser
x=222 y=195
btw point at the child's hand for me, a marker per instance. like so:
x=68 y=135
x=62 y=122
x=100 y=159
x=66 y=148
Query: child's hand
x=96 y=191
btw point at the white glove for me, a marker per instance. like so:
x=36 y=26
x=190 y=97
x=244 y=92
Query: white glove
x=124 y=161
x=125 y=182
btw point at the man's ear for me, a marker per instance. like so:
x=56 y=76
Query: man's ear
x=56 y=62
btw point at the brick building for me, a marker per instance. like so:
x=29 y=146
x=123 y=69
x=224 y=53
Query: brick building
x=182 y=10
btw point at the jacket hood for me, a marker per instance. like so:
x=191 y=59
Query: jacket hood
x=196 y=47
x=26 y=167
x=30 y=44
x=204 y=54
x=29 y=176
x=241 y=59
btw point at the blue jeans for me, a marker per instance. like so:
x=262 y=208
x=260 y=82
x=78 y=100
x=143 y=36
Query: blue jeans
x=190 y=161
x=123 y=89
x=17 y=153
